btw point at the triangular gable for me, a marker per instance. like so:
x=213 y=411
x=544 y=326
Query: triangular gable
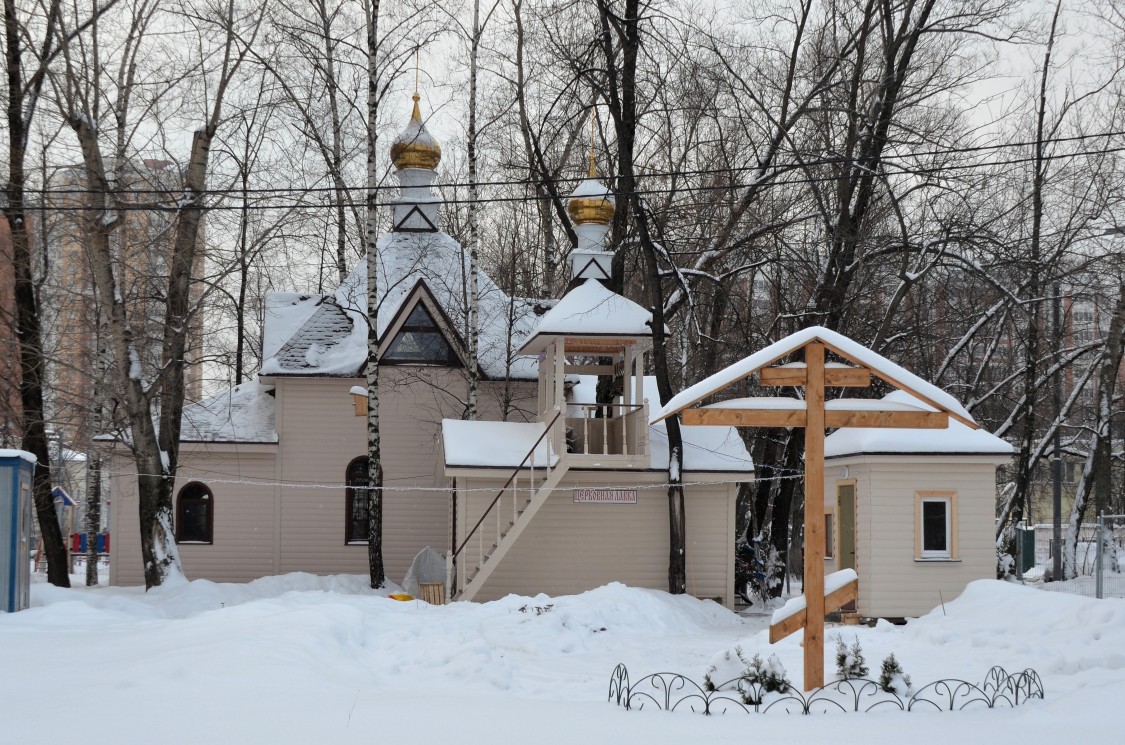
x=421 y=305
x=593 y=269
x=415 y=213
x=835 y=342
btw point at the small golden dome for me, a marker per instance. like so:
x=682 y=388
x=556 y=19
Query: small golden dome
x=416 y=147
x=591 y=201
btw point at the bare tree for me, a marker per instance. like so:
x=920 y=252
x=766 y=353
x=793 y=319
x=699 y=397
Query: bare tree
x=152 y=404
x=24 y=88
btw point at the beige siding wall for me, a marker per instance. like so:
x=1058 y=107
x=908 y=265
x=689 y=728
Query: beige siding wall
x=272 y=525
x=571 y=548
x=243 y=547
x=319 y=435
x=892 y=582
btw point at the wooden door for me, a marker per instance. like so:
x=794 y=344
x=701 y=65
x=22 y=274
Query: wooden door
x=845 y=510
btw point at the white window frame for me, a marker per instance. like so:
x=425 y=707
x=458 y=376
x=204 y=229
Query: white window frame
x=949 y=500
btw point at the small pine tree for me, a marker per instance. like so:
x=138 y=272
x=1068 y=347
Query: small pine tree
x=774 y=676
x=849 y=660
x=768 y=677
x=892 y=679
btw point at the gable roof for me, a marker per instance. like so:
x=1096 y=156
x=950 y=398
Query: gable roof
x=836 y=342
x=332 y=340
x=60 y=495
x=591 y=309
x=956 y=439
x=421 y=299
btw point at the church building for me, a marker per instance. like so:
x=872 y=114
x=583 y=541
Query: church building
x=549 y=490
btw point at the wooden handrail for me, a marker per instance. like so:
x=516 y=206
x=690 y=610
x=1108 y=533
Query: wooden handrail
x=511 y=478
x=634 y=407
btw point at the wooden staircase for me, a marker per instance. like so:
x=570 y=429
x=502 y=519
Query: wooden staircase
x=503 y=533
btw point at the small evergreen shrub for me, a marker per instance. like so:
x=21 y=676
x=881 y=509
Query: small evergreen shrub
x=892 y=679
x=768 y=676
x=849 y=660
x=726 y=667
x=772 y=674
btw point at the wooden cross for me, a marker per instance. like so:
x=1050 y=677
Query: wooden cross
x=814 y=414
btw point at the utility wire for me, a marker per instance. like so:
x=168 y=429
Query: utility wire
x=447 y=489
x=897 y=169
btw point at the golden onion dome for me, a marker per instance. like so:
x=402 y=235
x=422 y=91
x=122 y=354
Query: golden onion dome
x=591 y=201
x=415 y=147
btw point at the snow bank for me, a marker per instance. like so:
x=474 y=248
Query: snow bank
x=298 y=659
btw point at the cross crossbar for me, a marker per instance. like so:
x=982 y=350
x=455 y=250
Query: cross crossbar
x=833 y=419
x=834 y=600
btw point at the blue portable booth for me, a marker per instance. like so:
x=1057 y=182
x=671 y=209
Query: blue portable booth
x=16 y=470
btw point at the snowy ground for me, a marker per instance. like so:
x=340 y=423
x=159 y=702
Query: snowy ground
x=304 y=659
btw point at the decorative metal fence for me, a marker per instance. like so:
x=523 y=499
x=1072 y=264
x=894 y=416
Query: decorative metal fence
x=674 y=692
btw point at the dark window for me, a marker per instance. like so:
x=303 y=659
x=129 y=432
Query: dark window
x=355 y=530
x=935 y=528
x=420 y=341
x=829 y=534
x=195 y=514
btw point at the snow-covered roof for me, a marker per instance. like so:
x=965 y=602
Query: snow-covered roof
x=331 y=340
x=838 y=343
x=591 y=309
x=284 y=313
x=59 y=494
x=492 y=444
x=23 y=454
x=956 y=439
x=244 y=413
x=503 y=444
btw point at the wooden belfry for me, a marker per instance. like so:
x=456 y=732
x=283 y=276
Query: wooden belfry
x=855 y=370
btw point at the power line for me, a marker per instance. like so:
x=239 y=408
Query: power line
x=184 y=471
x=892 y=162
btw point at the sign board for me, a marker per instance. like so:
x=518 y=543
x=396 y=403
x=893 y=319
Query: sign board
x=605 y=496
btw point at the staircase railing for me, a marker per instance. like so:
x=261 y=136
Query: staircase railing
x=609 y=429
x=494 y=508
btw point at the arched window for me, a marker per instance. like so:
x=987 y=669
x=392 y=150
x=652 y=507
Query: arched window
x=195 y=514
x=356 y=514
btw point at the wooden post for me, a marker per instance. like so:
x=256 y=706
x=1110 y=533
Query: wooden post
x=814 y=517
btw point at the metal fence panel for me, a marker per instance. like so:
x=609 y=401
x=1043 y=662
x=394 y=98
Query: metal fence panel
x=1100 y=574
x=1110 y=579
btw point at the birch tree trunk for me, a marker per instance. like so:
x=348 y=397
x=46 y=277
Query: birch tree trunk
x=474 y=223
x=374 y=459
